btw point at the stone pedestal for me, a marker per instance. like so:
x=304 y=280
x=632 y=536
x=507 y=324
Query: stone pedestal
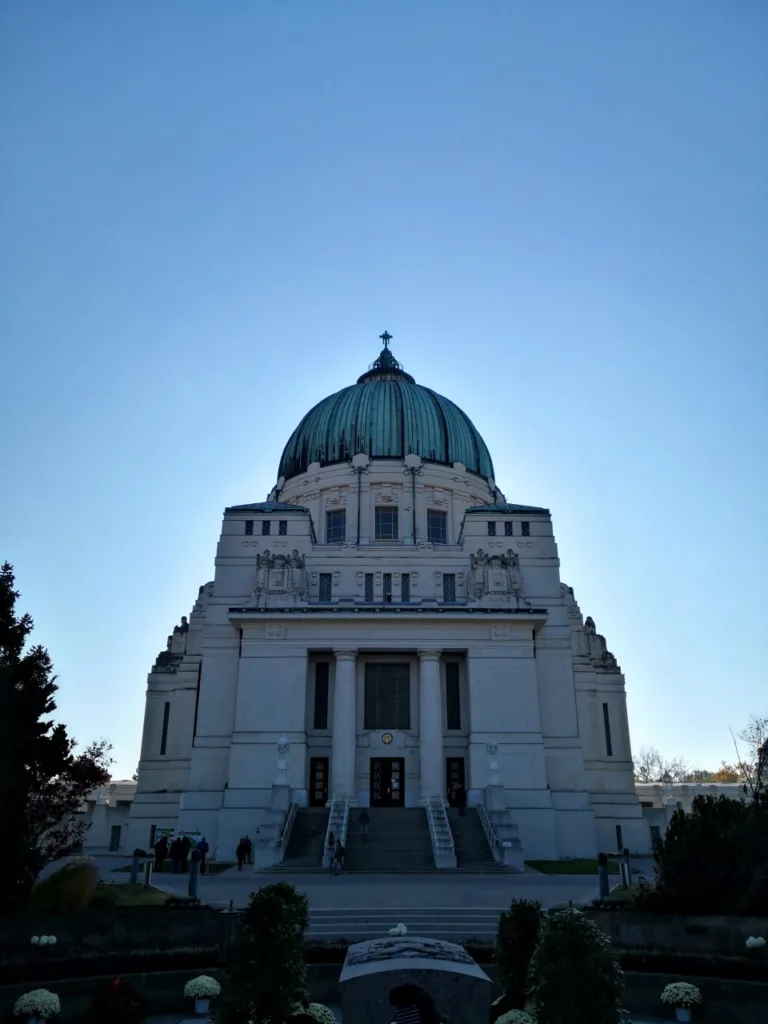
x=460 y=990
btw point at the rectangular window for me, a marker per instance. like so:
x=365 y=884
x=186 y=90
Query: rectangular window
x=509 y=529
x=387 y=579
x=449 y=586
x=437 y=532
x=387 y=696
x=655 y=837
x=526 y=529
x=326 y=579
x=336 y=526
x=385 y=522
x=282 y=527
x=619 y=839
x=152 y=835
x=405 y=587
x=369 y=586
x=248 y=527
x=320 y=716
x=164 y=736
x=491 y=529
x=452 y=695
x=607 y=725
x=265 y=527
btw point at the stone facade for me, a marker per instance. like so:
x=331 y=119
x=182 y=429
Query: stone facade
x=507 y=686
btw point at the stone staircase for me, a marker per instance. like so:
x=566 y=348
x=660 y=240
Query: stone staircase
x=473 y=854
x=305 y=847
x=398 y=842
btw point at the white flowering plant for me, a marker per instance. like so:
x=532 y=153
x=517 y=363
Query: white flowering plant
x=681 y=993
x=37 y=1003
x=755 y=942
x=515 y=1017
x=321 y=1013
x=203 y=987
x=399 y=929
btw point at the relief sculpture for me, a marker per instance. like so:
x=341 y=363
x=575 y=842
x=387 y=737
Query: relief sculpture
x=281 y=577
x=496 y=579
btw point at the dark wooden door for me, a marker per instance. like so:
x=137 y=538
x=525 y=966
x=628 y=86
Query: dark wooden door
x=387 y=781
x=318 y=781
x=454 y=776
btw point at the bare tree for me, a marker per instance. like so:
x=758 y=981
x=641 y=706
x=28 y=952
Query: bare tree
x=753 y=763
x=650 y=766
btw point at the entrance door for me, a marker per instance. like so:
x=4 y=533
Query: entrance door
x=114 y=838
x=318 y=781
x=387 y=781
x=454 y=776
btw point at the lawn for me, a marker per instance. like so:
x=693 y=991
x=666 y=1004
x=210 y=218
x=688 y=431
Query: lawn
x=136 y=896
x=212 y=868
x=570 y=867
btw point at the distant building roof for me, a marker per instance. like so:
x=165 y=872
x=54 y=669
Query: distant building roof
x=502 y=506
x=268 y=506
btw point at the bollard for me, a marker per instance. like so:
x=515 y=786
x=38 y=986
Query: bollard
x=148 y=874
x=602 y=875
x=194 y=874
x=628 y=865
x=135 y=870
x=623 y=874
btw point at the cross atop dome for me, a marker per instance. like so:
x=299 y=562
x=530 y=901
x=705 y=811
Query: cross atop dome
x=386 y=337
x=386 y=366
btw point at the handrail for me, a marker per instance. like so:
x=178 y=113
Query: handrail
x=490 y=834
x=285 y=836
x=435 y=810
x=338 y=820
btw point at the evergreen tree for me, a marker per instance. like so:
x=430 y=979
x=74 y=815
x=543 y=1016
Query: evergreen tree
x=43 y=782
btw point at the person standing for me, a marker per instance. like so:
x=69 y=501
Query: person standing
x=461 y=800
x=175 y=852
x=161 y=852
x=364 y=821
x=203 y=849
x=185 y=845
x=337 y=865
x=248 y=848
x=241 y=854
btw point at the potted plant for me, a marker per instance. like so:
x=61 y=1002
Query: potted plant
x=321 y=1013
x=683 y=996
x=37 y=1005
x=515 y=1017
x=202 y=990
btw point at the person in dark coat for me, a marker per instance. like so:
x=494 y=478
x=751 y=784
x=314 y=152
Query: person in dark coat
x=248 y=848
x=161 y=852
x=186 y=845
x=175 y=852
x=364 y=821
x=241 y=854
x=202 y=849
x=461 y=800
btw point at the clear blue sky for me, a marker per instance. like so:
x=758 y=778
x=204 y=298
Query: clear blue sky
x=210 y=211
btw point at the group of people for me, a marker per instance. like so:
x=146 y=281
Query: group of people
x=336 y=853
x=244 y=852
x=178 y=850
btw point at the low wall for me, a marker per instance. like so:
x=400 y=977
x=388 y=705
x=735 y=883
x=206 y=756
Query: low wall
x=725 y=1002
x=673 y=934
x=122 y=930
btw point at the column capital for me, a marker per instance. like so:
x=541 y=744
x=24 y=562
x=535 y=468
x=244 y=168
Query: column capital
x=431 y=655
x=345 y=653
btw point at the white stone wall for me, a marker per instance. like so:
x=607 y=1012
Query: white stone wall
x=534 y=675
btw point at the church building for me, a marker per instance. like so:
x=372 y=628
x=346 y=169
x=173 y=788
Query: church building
x=387 y=630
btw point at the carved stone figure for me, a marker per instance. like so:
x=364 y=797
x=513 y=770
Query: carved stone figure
x=496 y=578
x=280 y=576
x=283 y=749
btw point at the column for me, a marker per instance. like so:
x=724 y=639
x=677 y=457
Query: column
x=431 y=763
x=344 y=738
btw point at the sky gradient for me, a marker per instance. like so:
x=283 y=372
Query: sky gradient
x=559 y=211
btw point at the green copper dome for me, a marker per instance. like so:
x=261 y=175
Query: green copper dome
x=386 y=415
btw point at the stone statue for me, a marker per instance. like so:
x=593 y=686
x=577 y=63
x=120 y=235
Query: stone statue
x=279 y=575
x=283 y=750
x=496 y=579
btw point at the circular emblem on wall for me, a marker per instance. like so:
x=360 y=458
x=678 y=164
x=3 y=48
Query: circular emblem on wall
x=387 y=737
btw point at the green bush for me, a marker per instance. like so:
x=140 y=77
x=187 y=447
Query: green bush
x=71 y=887
x=515 y=942
x=267 y=974
x=574 y=975
x=713 y=860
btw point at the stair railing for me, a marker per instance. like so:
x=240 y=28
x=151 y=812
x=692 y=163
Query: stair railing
x=338 y=820
x=285 y=836
x=440 y=832
x=493 y=840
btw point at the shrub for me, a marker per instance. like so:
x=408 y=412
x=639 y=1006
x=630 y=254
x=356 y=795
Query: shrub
x=71 y=887
x=321 y=1013
x=515 y=1017
x=681 y=993
x=574 y=975
x=37 y=1003
x=515 y=942
x=202 y=987
x=267 y=974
